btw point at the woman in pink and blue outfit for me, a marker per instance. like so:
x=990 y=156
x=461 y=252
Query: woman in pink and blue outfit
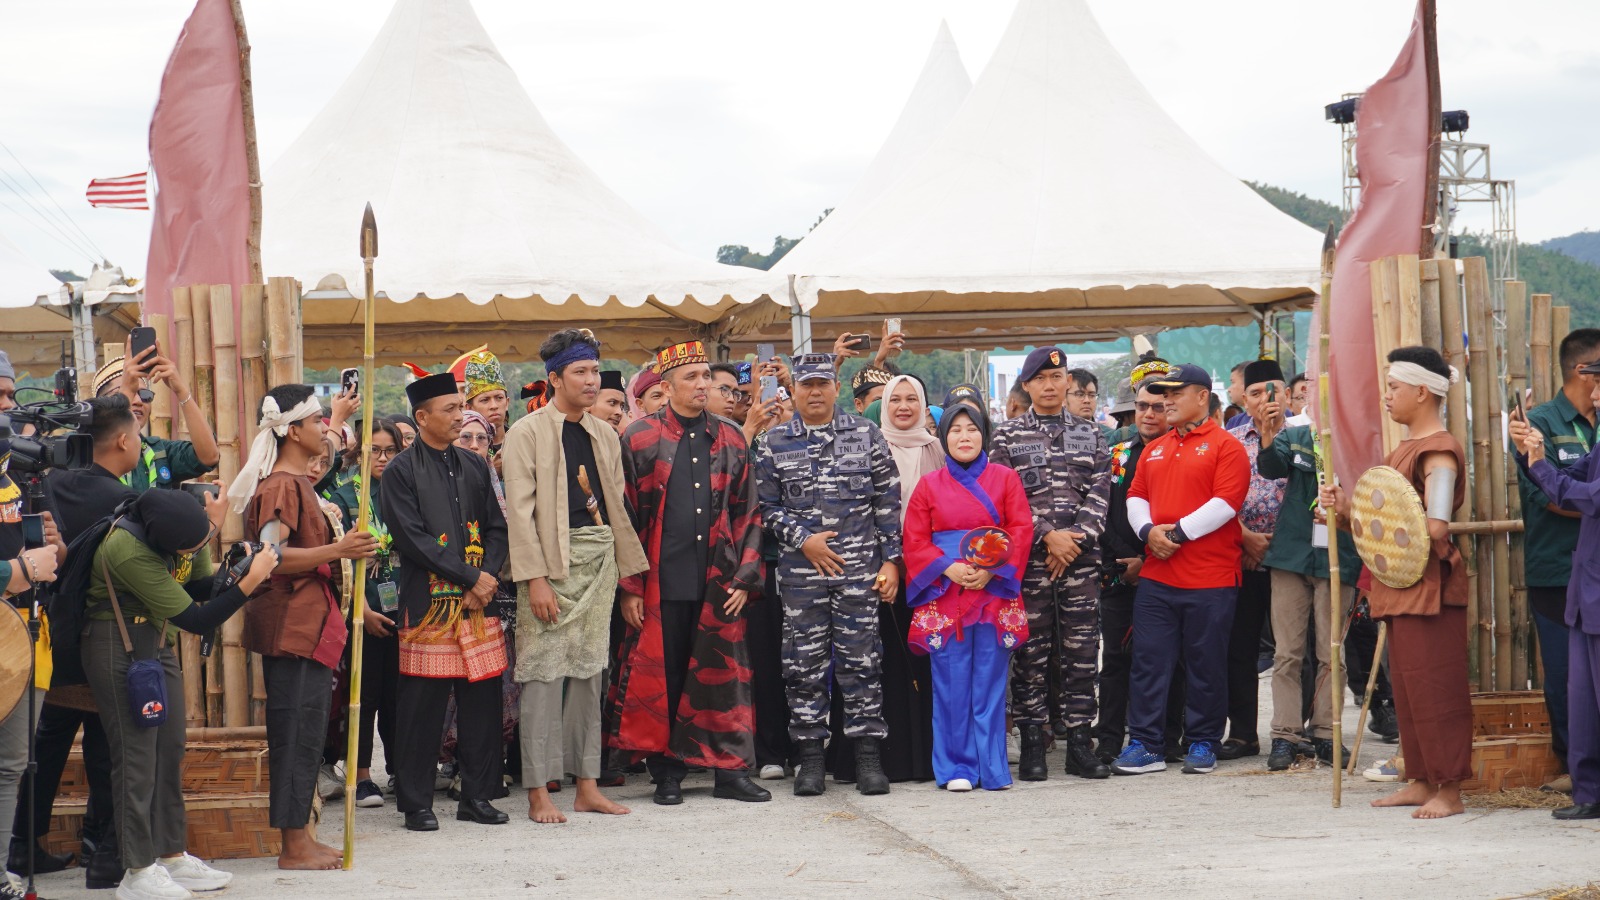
x=967 y=532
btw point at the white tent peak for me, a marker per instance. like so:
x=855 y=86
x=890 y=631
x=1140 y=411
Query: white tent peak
x=934 y=100
x=1060 y=171
x=475 y=194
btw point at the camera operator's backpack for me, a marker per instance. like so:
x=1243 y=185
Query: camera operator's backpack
x=69 y=598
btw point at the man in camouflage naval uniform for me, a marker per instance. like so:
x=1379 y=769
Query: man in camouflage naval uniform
x=1065 y=467
x=830 y=493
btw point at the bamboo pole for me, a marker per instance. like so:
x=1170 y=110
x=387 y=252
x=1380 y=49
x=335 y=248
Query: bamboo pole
x=1408 y=296
x=1385 y=299
x=253 y=372
x=1517 y=380
x=205 y=354
x=1431 y=334
x=1476 y=278
x=1541 y=341
x=183 y=335
x=1452 y=333
x=208 y=735
x=247 y=104
x=280 y=321
x=161 y=406
x=297 y=330
x=1493 y=526
x=1326 y=474
x=1498 y=504
x=369 y=254
x=1560 y=327
x=235 y=674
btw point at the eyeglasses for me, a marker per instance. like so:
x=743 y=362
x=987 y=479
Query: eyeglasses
x=469 y=440
x=1084 y=395
x=1142 y=406
x=384 y=452
x=727 y=391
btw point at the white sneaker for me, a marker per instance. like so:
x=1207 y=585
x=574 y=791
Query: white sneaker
x=958 y=785
x=330 y=784
x=1014 y=745
x=195 y=875
x=1384 y=770
x=771 y=773
x=150 y=883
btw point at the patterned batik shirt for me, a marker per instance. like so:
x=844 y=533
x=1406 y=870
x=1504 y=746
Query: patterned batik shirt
x=1261 y=504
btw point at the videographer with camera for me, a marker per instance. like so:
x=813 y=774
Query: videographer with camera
x=80 y=498
x=162 y=462
x=140 y=586
x=295 y=623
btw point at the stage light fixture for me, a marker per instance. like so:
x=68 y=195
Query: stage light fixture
x=1343 y=112
x=1454 y=121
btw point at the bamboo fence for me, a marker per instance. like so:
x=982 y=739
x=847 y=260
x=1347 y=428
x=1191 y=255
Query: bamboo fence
x=1449 y=304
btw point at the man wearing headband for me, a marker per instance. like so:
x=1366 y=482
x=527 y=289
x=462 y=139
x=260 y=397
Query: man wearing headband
x=570 y=541
x=612 y=404
x=1184 y=504
x=1573 y=488
x=830 y=492
x=162 y=462
x=1297 y=562
x=1426 y=620
x=446 y=523
x=1065 y=466
x=1567 y=422
x=682 y=696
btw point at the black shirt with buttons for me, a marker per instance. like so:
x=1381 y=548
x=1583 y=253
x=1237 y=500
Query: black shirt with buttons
x=686 y=517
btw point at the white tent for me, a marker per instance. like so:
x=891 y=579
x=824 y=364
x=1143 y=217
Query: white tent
x=1060 y=198
x=485 y=217
x=40 y=310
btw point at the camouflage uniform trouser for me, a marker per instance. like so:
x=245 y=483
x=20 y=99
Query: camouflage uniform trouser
x=1068 y=608
x=837 y=625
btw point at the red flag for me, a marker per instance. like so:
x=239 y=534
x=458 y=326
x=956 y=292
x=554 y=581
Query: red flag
x=122 y=192
x=1393 y=134
x=197 y=149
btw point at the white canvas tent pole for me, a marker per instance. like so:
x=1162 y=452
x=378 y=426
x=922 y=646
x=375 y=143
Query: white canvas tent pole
x=799 y=322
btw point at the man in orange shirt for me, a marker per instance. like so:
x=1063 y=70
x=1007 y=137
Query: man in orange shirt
x=1184 y=503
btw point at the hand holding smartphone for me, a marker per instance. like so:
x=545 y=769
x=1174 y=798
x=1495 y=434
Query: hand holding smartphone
x=141 y=340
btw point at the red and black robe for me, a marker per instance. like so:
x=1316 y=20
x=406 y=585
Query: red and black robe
x=714 y=721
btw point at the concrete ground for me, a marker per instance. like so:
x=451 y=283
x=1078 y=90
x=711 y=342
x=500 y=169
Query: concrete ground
x=1233 y=833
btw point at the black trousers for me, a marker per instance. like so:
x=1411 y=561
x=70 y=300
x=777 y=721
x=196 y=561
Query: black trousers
x=764 y=637
x=1116 y=661
x=680 y=622
x=299 y=692
x=1359 y=647
x=479 y=750
x=380 y=697
x=1244 y=649
x=58 y=726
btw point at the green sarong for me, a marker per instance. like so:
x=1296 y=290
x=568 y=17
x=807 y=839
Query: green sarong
x=575 y=646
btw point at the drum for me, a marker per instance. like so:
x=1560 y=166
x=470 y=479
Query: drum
x=16 y=659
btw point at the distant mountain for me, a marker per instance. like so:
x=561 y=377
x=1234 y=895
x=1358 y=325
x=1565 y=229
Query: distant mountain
x=1583 y=246
x=1567 y=267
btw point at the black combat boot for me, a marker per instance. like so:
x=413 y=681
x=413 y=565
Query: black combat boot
x=1032 y=766
x=104 y=869
x=1081 y=758
x=870 y=779
x=809 y=778
x=44 y=862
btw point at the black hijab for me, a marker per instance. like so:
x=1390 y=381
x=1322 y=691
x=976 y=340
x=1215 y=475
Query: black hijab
x=169 y=522
x=971 y=410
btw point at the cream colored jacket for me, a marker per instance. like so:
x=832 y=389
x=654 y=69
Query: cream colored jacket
x=535 y=474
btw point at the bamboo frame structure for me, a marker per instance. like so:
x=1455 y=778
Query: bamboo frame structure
x=1476 y=280
x=1335 y=685
x=188 y=644
x=253 y=371
x=1431 y=334
x=1385 y=301
x=1516 y=346
x=282 y=334
x=183 y=336
x=1560 y=327
x=204 y=353
x=1452 y=328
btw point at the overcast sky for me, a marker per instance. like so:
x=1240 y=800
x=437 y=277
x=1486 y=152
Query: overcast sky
x=729 y=121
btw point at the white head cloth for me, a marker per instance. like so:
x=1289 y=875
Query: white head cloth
x=264 y=450
x=1411 y=373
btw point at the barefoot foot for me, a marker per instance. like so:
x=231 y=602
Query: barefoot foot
x=1414 y=794
x=309 y=861
x=592 y=801
x=1445 y=802
x=541 y=810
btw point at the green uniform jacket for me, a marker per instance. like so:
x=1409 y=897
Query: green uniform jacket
x=145 y=587
x=1293 y=456
x=164 y=463
x=1551 y=539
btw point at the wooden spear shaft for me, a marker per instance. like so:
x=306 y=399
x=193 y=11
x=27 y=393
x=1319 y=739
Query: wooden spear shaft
x=358 y=611
x=1335 y=606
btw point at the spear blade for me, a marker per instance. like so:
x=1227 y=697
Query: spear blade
x=369 y=234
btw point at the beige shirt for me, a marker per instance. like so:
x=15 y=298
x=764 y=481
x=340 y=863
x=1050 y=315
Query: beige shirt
x=536 y=495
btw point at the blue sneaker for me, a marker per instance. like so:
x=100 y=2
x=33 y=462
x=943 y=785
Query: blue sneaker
x=1200 y=760
x=1136 y=760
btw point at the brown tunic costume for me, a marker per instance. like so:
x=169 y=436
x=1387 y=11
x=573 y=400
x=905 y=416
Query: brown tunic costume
x=1427 y=653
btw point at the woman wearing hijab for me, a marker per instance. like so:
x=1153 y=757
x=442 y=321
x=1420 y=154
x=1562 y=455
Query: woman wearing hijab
x=907 y=752
x=155 y=555
x=968 y=530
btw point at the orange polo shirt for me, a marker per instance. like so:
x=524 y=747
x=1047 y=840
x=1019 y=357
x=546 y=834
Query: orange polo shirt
x=1177 y=475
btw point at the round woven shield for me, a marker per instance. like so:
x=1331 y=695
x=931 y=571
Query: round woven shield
x=1389 y=526
x=16 y=658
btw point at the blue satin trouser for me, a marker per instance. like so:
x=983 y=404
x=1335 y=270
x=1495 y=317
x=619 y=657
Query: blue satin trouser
x=969 y=709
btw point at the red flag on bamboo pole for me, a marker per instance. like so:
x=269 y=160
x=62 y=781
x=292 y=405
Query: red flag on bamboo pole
x=1397 y=127
x=201 y=220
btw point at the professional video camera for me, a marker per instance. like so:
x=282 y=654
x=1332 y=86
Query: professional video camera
x=52 y=442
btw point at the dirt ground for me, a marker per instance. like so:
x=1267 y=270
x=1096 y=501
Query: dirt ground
x=1232 y=833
